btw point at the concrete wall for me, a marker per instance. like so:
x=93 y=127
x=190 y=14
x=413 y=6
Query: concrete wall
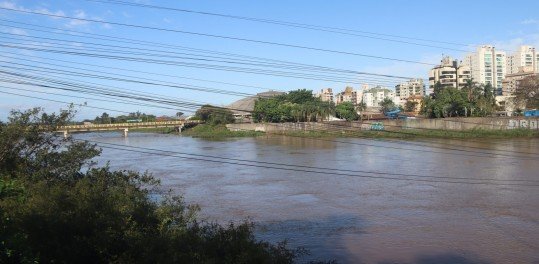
x=496 y=123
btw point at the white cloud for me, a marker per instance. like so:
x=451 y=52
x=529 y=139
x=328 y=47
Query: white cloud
x=16 y=31
x=74 y=22
x=70 y=24
x=529 y=21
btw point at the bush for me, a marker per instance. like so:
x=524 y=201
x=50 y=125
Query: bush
x=55 y=211
x=214 y=115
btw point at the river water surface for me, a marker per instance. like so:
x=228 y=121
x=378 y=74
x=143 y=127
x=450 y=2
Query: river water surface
x=356 y=217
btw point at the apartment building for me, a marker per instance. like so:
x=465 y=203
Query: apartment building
x=374 y=96
x=449 y=73
x=349 y=95
x=487 y=66
x=410 y=88
x=326 y=95
x=524 y=57
x=512 y=81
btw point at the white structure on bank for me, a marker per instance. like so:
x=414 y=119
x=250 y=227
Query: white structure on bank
x=525 y=57
x=487 y=65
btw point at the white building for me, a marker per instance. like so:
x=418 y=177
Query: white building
x=373 y=97
x=349 y=95
x=487 y=65
x=326 y=95
x=410 y=88
x=524 y=57
x=449 y=73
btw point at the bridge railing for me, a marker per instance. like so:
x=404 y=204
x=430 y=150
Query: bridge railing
x=125 y=125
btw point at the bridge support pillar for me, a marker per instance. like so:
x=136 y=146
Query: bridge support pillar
x=125 y=132
x=178 y=128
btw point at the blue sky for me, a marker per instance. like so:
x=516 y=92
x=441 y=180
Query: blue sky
x=470 y=22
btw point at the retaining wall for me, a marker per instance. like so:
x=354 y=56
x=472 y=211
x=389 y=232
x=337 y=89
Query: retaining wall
x=490 y=123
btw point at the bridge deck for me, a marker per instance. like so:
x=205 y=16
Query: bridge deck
x=118 y=126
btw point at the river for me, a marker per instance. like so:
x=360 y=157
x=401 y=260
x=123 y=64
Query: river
x=438 y=217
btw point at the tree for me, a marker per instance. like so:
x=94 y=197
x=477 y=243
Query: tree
x=437 y=89
x=57 y=206
x=346 y=111
x=527 y=92
x=103 y=119
x=295 y=106
x=387 y=105
x=410 y=106
x=214 y=115
x=179 y=114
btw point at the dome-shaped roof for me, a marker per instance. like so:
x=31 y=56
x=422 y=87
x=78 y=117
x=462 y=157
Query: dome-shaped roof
x=247 y=104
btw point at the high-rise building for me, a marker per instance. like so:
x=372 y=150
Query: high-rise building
x=326 y=95
x=488 y=66
x=345 y=96
x=525 y=56
x=349 y=95
x=512 y=81
x=410 y=88
x=449 y=73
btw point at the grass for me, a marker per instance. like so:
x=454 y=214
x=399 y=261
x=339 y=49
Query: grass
x=220 y=131
x=417 y=133
x=217 y=131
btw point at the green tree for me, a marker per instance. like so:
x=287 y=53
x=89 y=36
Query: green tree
x=410 y=106
x=387 y=105
x=346 y=111
x=295 y=106
x=103 y=119
x=57 y=206
x=214 y=115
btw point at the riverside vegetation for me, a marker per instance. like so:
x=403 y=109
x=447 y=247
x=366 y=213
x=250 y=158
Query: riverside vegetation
x=58 y=206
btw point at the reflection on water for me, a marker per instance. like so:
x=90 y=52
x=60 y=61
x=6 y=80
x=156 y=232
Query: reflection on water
x=357 y=219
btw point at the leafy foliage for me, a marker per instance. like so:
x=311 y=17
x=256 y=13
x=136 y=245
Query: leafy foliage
x=388 y=105
x=56 y=206
x=346 y=110
x=105 y=118
x=295 y=106
x=214 y=115
x=471 y=100
x=410 y=106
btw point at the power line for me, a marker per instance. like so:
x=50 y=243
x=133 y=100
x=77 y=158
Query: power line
x=220 y=36
x=293 y=24
x=63 y=102
x=187 y=64
x=336 y=129
x=237 y=58
x=176 y=47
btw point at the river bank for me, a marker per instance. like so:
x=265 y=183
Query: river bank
x=220 y=131
x=415 y=133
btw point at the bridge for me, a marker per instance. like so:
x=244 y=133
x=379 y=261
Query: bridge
x=177 y=125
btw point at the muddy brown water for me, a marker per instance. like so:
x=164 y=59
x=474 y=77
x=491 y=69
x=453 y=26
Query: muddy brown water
x=355 y=219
